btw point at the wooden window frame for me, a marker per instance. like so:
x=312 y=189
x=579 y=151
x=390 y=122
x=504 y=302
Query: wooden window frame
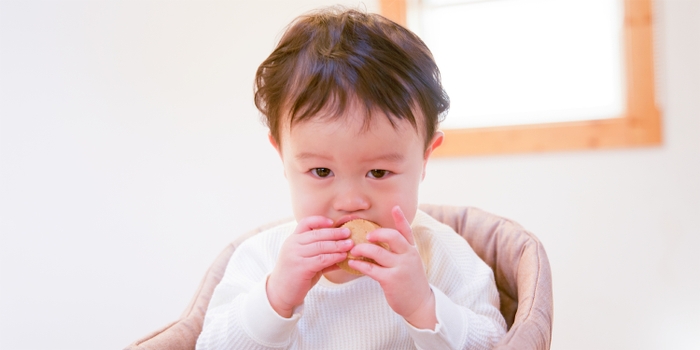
x=639 y=125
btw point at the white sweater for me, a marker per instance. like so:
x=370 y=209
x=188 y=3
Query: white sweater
x=355 y=315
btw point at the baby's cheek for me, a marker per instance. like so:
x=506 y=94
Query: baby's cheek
x=309 y=205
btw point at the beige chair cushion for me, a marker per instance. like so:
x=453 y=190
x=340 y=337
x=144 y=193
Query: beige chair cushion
x=517 y=258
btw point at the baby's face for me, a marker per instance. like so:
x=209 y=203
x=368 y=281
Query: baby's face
x=338 y=169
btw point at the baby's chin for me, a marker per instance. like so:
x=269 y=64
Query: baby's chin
x=338 y=276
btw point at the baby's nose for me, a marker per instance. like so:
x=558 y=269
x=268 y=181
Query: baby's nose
x=351 y=199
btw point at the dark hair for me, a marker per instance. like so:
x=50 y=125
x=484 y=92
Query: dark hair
x=330 y=56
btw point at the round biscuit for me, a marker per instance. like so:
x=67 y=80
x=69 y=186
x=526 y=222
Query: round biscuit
x=359 y=228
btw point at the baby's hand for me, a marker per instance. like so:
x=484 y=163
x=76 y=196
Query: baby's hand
x=399 y=272
x=314 y=246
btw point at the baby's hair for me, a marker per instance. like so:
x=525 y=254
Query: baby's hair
x=329 y=57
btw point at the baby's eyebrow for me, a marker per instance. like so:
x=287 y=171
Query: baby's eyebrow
x=309 y=155
x=391 y=157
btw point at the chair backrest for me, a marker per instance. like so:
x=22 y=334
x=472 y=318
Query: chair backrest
x=520 y=266
x=517 y=258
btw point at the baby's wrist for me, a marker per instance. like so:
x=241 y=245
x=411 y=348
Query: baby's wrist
x=424 y=317
x=276 y=303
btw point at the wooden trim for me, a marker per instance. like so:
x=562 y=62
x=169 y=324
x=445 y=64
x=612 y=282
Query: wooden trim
x=640 y=124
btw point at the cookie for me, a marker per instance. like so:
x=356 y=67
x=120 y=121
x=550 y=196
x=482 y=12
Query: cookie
x=359 y=228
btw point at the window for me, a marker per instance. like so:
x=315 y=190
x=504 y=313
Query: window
x=627 y=118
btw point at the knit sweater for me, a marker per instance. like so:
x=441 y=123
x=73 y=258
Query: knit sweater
x=355 y=315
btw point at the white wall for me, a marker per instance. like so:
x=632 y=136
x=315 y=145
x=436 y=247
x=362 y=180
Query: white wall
x=620 y=227
x=131 y=153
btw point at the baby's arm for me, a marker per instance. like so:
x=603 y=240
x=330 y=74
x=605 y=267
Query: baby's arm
x=468 y=318
x=470 y=322
x=240 y=315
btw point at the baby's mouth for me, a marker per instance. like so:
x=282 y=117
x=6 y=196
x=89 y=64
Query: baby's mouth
x=345 y=219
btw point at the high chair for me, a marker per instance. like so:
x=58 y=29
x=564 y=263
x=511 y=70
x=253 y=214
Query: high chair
x=517 y=257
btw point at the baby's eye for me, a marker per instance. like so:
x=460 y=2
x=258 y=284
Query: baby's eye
x=321 y=172
x=377 y=173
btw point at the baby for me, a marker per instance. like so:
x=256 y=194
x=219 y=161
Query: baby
x=353 y=102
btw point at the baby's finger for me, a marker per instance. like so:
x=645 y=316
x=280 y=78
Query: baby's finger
x=374 y=271
x=396 y=241
x=320 y=262
x=312 y=223
x=382 y=256
x=324 y=234
x=325 y=247
x=402 y=225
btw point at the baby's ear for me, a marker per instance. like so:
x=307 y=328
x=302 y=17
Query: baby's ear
x=274 y=143
x=279 y=150
x=434 y=143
